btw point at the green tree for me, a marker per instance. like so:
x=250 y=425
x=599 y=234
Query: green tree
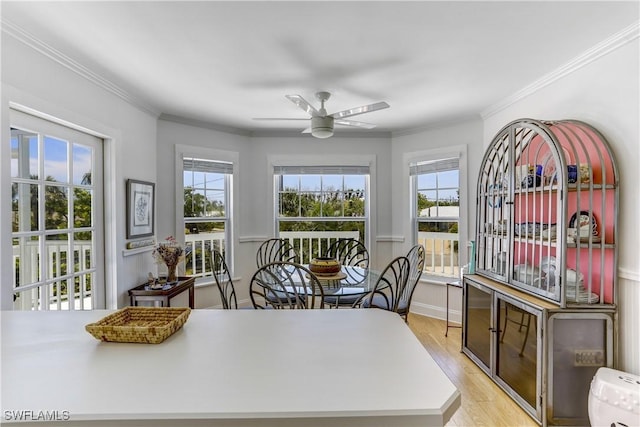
x=194 y=203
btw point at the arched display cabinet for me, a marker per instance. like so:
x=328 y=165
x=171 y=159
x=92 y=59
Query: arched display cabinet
x=539 y=312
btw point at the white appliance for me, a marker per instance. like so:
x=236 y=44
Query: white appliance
x=614 y=399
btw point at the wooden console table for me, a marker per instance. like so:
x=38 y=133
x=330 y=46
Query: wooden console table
x=161 y=296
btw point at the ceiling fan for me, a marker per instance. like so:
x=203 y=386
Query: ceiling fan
x=322 y=123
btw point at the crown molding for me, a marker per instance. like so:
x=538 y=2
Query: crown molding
x=614 y=42
x=38 y=45
x=440 y=124
x=203 y=124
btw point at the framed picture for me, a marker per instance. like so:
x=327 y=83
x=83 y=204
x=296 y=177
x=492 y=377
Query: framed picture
x=140 y=212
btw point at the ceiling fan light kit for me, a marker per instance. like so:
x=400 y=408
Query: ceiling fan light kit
x=322 y=123
x=322 y=127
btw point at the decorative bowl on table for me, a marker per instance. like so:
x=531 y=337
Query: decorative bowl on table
x=325 y=266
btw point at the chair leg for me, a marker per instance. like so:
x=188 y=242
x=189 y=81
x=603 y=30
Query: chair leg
x=526 y=334
x=506 y=322
x=520 y=323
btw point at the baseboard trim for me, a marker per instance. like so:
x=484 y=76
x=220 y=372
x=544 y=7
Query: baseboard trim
x=455 y=316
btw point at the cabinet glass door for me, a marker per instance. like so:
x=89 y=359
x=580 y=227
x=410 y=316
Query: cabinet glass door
x=517 y=351
x=477 y=323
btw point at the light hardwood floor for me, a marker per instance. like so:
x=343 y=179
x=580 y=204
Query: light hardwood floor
x=483 y=402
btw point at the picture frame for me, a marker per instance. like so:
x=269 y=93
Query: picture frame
x=140 y=208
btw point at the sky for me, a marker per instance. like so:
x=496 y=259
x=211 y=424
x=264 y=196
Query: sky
x=55 y=158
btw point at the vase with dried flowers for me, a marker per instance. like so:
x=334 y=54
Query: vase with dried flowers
x=169 y=253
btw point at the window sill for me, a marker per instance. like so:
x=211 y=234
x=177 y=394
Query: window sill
x=135 y=251
x=436 y=280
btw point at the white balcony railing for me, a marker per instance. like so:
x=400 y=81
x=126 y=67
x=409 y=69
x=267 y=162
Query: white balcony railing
x=441 y=249
x=198 y=262
x=308 y=244
x=441 y=259
x=312 y=244
x=69 y=276
x=442 y=256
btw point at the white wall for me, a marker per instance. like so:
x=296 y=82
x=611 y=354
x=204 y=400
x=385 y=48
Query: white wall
x=604 y=93
x=38 y=82
x=170 y=134
x=254 y=206
x=465 y=137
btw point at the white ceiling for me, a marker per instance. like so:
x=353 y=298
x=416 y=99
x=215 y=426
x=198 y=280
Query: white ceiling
x=225 y=63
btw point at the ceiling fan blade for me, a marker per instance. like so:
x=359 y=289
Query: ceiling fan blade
x=303 y=104
x=279 y=118
x=360 y=110
x=353 y=123
x=307 y=130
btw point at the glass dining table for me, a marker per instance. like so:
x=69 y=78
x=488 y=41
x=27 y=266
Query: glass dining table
x=347 y=286
x=282 y=284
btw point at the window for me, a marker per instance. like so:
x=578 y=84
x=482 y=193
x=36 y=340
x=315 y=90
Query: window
x=437 y=213
x=56 y=198
x=318 y=204
x=207 y=201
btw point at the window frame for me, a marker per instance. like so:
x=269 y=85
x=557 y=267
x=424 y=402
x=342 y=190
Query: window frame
x=230 y=198
x=331 y=163
x=410 y=160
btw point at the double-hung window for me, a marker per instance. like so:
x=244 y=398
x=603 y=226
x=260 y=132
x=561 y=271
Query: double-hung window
x=436 y=201
x=315 y=205
x=57 y=226
x=207 y=187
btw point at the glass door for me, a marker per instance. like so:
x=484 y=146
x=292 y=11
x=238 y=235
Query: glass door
x=517 y=352
x=478 y=324
x=57 y=216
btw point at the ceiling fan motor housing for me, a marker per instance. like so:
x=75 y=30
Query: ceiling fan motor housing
x=322 y=126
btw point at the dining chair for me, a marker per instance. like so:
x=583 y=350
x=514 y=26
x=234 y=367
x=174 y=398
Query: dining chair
x=350 y=252
x=275 y=249
x=388 y=289
x=223 y=280
x=416 y=257
x=282 y=285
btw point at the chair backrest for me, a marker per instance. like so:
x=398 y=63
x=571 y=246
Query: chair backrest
x=349 y=252
x=284 y=284
x=353 y=253
x=223 y=280
x=416 y=257
x=275 y=249
x=388 y=290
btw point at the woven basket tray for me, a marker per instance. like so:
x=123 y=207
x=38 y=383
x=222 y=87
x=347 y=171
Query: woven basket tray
x=139 y=324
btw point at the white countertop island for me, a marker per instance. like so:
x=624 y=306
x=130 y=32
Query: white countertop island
x=224 y=368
